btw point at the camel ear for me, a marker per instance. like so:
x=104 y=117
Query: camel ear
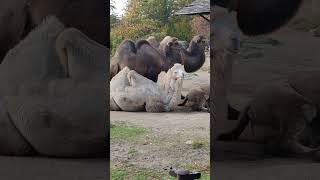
x=257 y=17
x=169 y=44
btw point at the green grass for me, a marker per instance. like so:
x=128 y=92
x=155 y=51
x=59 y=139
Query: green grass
x=304 y=24
x=205 y=170
x=131 y=172
x=121 y=131
x=132 y=152
x=197 y=144
x=127 y=171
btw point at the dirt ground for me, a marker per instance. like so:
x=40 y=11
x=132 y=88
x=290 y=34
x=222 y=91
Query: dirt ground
x=168 y=135
x=259 y=63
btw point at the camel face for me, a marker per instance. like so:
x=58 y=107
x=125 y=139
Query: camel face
x=172 y=45
x=200 y=41
x=225 y=37
x=178 y=72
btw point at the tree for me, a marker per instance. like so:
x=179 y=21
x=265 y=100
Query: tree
x=152 y=17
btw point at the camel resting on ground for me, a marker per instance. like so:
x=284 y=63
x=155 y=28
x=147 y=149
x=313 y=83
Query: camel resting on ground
x=52 y=94
x=289 y=111
x=198 y=98
x=129 y=91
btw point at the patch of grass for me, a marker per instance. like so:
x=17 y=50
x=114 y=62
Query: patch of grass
x=304 y=24
x=127 y=171
x=132 y=152
x=122 y=131
x=197 y=144
x=118 y=174
x=131 y=172
x=205 y=170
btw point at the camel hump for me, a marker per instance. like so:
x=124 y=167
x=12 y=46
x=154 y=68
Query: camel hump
x=128 y=45
x=142 y=42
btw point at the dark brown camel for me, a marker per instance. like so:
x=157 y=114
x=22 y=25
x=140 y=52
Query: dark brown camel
x=141 y=57
x=149 y=61
x=153 y=42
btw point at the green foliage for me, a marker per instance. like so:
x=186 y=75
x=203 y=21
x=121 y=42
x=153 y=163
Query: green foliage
x=144 y=18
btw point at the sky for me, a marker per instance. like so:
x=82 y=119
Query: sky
x=120 y=5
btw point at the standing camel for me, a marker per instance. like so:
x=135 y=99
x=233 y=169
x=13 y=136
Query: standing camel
x=149 y=62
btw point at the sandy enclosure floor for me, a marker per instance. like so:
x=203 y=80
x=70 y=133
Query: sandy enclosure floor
x=167 y=136
x=298 y=51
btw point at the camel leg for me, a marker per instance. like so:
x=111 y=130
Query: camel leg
x=242 y=124
x=288 y=142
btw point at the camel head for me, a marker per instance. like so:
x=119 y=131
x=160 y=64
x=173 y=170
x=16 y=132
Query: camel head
x=170 y=45
x=198 y=42
x=177 y=72
x=225 y=36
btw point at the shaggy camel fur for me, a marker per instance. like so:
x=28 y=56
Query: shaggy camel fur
x=52 y=96
x=226 y=43
x=129 y=91
x=153 y=42
x=149 y=62
x=198 y=98
x=286 y=109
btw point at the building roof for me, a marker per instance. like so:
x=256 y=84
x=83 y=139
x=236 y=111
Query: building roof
x=196 y=7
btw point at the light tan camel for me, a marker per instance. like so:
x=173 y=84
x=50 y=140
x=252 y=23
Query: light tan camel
x=286 y=109
x=198 y=98
x=130 y=91
x=225 y=45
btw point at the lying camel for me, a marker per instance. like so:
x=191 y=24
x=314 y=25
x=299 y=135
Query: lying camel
x=149 y=62
x=286 y=109
x=53 y=94
x=129 y=91
x=198 y=98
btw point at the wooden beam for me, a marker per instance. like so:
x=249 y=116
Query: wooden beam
x=204 y=17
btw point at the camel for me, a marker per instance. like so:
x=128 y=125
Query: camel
x=153 y=42
x=198 y=98
x=256 y=18
x=140 y=56
x=53 y=95
x=130 y=91
x=149 y=62
x=19 y=17
x=226 y=44
x=289 y=110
